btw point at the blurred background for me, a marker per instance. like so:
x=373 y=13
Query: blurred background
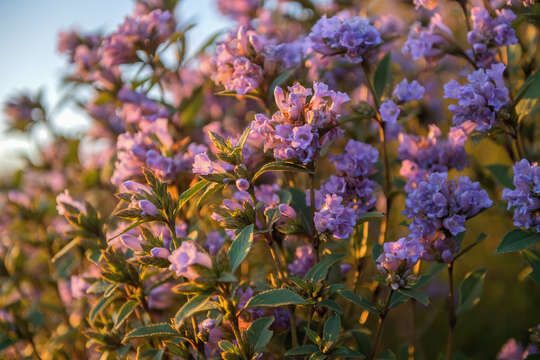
x=29 y=33
x=29 y=28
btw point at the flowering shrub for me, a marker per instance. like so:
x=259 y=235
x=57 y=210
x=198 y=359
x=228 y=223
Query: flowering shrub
x=223 y=201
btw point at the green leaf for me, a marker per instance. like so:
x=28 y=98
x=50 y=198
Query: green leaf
x=358 y=300
x=124 y=312
x=530 y=89
x=259 y=334
x=332 y=326
x=517 y=240
x=331 y=304
x=363 y=340
x=422 y=298
x=275 y=298
x=240 y=247
x=99 y=307
x=191 y=192
x=344 y=352
x=470 y=290
x=196 y=304
x=319 y=271
x=501 y=173
x=387 y=355
x=382 y=75
x=282 y=165
x=302 y=350
x=533 y=258
x=73 y=243
x=161 y=330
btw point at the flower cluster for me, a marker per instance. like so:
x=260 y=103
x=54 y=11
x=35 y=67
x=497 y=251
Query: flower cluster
x=144 y=149
x=301 y=127
x=525 y=198
x=430 y=42
x=397 y=260
x=352 y=37
x=479 y=99
x=403 y=93
x=489 y=33
x=438 y=208
x=141 y=31
x=237 y=61
x=350 y=194
x=423 y=155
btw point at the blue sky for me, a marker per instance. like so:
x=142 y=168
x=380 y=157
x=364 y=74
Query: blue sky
x=28 y=37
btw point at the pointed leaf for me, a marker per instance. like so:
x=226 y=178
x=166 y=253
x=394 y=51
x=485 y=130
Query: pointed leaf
x=422 y=298
x=382 y=75
x=275 y=298
x=194 y=305
x=358 y=300
x=161 y=330
x=319 y=271
x=192 y=191
x=240 y=247
x=517 y=240
x=258 y=333
x=302 y=350
x=124 y=312
x=281 y=165
x=470 y=290
x=332 y=326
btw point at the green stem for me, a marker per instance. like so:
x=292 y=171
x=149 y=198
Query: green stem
x=316 y=239
x=292 y=319
x=380 y=324
x=452 y=319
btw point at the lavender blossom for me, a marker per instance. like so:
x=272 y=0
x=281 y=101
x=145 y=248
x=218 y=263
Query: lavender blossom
x=525 y=198
x=480 y=99
x=296 y=130
x=304 y=260
x=438 y=208
x=186 y=255
x=389 y=111
x=430 y=42
x=397 y=260
x=406 y=92
x=422 y=156
x=489 y=33
x=352 y=37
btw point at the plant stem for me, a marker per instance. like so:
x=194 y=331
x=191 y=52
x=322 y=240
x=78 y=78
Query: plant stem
x=380 y=324
x=292 y=319
x=34 y=348
x=316 y=239
x=452 y=319
x=310 y=315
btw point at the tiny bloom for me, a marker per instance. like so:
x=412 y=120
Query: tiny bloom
x=186 y=255
x=148 y=208
x=287 y=210
x=389 y=111
x=242 y=184
x=160 y=252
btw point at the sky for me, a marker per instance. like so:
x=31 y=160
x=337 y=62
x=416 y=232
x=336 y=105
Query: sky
x=30 y=61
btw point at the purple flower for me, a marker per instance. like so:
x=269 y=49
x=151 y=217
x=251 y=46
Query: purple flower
x=525 y=197
x=438 y=208
x=406 y=92
x=242 y=184
x=389 y=111
x=294 y=132
x=511 y=351
x=334 y=217
x=427 y=42
x=352 y=37
x=287 y=211
x=148 y=208
x=489 y=33
x=186 y=255
x=239 y=10
x=397 y=260
x=303 y=261
x=423 y=155
x=214 y=242
x=236 y=68
x=480 y=99
x=160 y=252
